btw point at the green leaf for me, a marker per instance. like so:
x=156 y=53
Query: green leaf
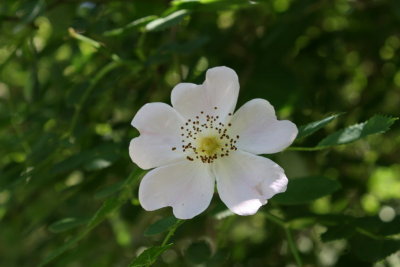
x=312 y=127
x=376 y=226
x=168 y=21
x=149 y=256
x=161 y=226
x=91 y=160
x=68 y=245
x=376 y=124
x=66 y=224
x=32 y=10
x=198 y=252
x=97 y=164
x=336 y=232
x=83 y=38
x=109 y=190
x=371 y=249
x=130 y=26
x=345 y=227
x=307 y=189
x=212 y=5
x=108 y=206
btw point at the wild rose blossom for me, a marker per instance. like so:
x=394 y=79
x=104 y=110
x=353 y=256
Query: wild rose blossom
x=199 y=141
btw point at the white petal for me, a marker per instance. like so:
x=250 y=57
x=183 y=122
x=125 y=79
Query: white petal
x=245 y=182
x=159 y=126
x=220 y=89
x=185 y=186
x=259 y=130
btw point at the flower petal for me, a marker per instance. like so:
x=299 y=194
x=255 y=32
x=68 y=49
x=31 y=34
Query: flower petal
x=246 y=181
x=159 y=125
x=220 y=89
x=185 y=186
x=259 y=130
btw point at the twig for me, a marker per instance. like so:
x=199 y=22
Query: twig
x=288 y=233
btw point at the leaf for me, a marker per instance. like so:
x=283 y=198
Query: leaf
x=345 y=227
x=336 y=232
x=198 y=252
x=91 y=160
x=130 y=26
x=376 y=226
x=372 y=250
x=68 y=245
x=31 y=10
x=312 y=127
x=211 y=5
x=149 y=256
x=307 y=189
x=66 y=224
x=97 y=164
x=108 y=206
x=376 y=124
x=185 y=47
x=161 y=226
x=168 y=21
x=83 y=38
x=109 y=190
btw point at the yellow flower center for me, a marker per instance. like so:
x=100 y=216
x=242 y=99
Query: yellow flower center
x=208 y=145
x=206 y=138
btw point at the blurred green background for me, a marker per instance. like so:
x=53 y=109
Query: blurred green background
x=73 y=74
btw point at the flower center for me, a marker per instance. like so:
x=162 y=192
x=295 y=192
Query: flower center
x=208 y=145
x=206 y=138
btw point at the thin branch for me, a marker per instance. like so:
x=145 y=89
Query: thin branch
x=289 y=237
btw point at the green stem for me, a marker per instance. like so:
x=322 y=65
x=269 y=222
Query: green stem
x=167 y=238
x=106 y=69
x=289 y=237
x=293 y=247
x=171 y=232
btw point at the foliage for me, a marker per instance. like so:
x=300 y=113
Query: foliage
x=74 y=73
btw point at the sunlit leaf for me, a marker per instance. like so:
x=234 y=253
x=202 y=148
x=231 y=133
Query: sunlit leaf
x=83 y=38
x=212 y=5
x=130 y=26
x=312 y=127
x=168 y=21
x=376 y=124
x=304 y=190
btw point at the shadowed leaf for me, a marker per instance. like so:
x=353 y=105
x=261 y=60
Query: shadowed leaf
x=161 y=226
x=304 y=190
x=149 y=256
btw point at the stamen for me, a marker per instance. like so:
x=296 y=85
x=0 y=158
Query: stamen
x=207 y=141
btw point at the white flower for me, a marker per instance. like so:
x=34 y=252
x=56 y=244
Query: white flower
x=199 y=140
